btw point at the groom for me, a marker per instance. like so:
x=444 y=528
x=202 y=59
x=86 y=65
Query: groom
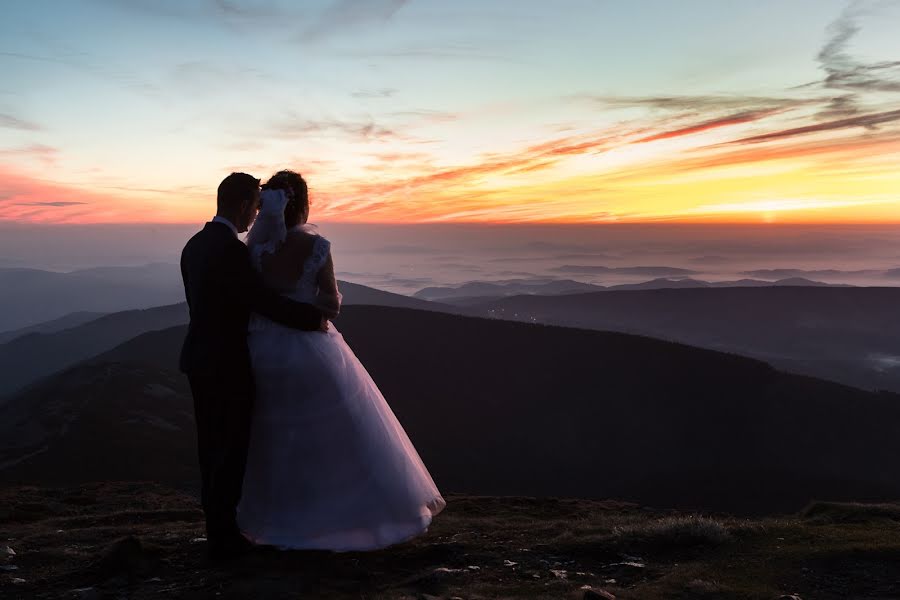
x=222 y=289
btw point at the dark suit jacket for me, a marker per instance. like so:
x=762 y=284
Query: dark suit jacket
x=222 y=289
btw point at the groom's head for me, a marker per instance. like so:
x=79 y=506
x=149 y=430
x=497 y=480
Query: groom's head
x=238 y=200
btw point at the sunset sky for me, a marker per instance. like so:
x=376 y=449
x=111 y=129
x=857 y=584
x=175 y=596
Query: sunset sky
x=429 y=111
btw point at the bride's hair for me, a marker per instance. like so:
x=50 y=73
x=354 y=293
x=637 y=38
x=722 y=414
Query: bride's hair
x=298 y=195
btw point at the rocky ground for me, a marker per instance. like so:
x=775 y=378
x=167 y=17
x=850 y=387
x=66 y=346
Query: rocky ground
x=130 y=540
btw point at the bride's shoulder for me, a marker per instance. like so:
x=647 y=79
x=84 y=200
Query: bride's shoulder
x=307 y=240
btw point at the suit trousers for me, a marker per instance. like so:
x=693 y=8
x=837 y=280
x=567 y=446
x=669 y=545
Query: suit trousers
x=223 y=409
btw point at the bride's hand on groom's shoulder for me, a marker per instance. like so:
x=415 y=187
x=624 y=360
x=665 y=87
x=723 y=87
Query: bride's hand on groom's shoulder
x=324 y=326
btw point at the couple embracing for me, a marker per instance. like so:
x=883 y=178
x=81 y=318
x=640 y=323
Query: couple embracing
x=298 y=448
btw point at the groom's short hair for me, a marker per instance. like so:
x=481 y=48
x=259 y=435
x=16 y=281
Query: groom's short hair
x=235 y=189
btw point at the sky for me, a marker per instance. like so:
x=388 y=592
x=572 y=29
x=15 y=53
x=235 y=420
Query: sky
x=414 y=111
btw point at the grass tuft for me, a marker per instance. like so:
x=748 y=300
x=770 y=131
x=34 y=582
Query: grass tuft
x=676 y=532
x=850 y=512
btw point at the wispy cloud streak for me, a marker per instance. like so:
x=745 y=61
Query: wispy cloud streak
x=868 y=121
x=11 y=122
x=845 y=72
x=735 y=119
x=346 y=14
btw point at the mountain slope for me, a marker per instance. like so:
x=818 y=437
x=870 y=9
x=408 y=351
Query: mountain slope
x=27 y=358
x=850 y=334
x=30 y=357
x=65 y=322
x=497 y=407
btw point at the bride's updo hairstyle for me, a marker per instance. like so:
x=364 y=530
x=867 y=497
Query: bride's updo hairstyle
x=298 y=195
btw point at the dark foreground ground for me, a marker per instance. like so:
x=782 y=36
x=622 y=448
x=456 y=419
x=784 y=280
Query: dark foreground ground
x=144 y=541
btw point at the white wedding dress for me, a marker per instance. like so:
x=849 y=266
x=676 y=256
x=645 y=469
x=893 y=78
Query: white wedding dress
x=329 y=465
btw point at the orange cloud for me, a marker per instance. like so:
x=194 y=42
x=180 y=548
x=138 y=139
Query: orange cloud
x=24 y=197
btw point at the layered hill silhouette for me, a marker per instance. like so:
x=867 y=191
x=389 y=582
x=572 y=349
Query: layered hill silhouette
x=64 y=322
x=52 y=346
x=474 y=292
x=35 y=355
x=847 y=334
x=504 y=408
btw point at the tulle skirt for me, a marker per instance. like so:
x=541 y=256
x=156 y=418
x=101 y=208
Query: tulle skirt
x=329 y=465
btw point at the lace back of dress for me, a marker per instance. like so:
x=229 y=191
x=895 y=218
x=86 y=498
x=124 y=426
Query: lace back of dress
x=307 y=286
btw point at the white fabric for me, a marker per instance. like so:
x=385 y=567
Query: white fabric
x=226 y=222
x=329 y=466
x=268 y=231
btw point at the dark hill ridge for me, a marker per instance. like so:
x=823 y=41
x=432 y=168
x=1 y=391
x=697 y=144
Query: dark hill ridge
x=850 y=335
x=65 y=322
x=37 y=354
x=101 y=422
x=498 y=407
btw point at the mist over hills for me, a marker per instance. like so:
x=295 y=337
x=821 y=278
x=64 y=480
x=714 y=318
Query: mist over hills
x=32 y=298
x=498 y=407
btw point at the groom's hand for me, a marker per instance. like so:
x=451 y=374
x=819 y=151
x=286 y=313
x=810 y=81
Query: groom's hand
x=323 y=327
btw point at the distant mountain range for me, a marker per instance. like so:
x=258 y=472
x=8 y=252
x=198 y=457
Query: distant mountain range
x=31 y=296
x=46 y=348
x=480 y=291
x=46 y=301
x=506 y=408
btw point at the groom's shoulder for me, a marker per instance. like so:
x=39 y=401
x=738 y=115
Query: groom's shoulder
x=213 y=239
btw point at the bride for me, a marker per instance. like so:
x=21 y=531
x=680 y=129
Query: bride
x=329 y=466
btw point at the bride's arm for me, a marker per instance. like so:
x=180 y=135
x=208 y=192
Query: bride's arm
x=328 y=299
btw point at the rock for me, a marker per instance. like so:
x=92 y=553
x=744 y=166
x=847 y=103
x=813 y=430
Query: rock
x=789 y=597
x=598 y=595
x=87 y=593
x=628 y=563
x=9 y=568
x=18 y=580
x=559 y=573
x=6 y=550
x=509 y=563
x=125 y=557
x=435 y=581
